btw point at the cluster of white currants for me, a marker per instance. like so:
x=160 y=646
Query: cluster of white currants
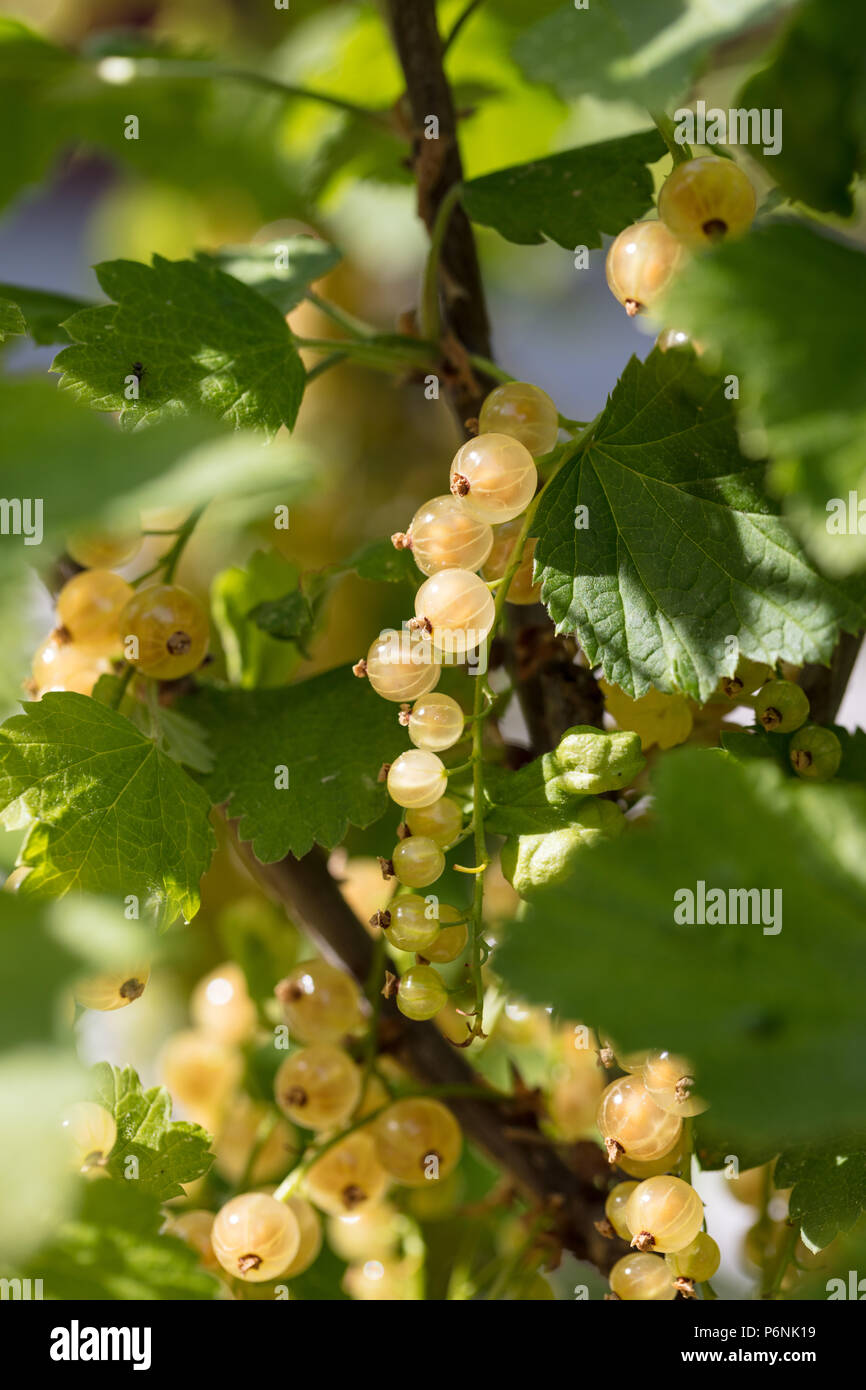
x=640 y=1117
x=702 y=201
x=161 y=629
x=452 y=538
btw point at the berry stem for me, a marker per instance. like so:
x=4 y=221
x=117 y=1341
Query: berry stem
x=171 y=559
x=354 y=326
x=665 y=126
x=776 y=1271
x=465 y=14
x=431 y=321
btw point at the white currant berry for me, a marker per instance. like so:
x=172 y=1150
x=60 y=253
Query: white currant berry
x=255 y=1237
x=402 y=666
x=114 y=989
x=95 y=548
x=417 y=778
x=522 y=589
x=90 y=1132
x=615 y=1208
x=418 y=1140
x=524 y=412
x=639 y=1278
x=318 y=1087
x=707 y=200
x=442 y=821
x=412 y=926
x=220 y=1004
x=453 y=937
x=320 y=1003
x=457 y=609
x=435 y=722
x=89 y=609
x=669 y=1080
x=495 y=476
x=698 y=1261
x=310 y=1228
x=664 y=1214
x=421 y=993
x=640 y=264
x=348 y=1176
x=446 y=535
x=418 y=861
x=632 y=1124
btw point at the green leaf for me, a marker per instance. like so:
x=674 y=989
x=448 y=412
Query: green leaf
x=287 y=619
x=757 y=302
x=253 y=657
x=545 y=794
x=11 y=320
x=106 y=811
x=168 y=1154
x=174 y=734
x=382 y=563
x=42 y=312
x=113 y=1249
x=280 y=271
x=643 y=49
x=570 y=198
x=534 y=862
x=815 y=77
x=35 y=966
x=204 y=342
x=829 y=1188
x=331 y=732
x=757 y=743
x=766 y=1018
x=680 y=549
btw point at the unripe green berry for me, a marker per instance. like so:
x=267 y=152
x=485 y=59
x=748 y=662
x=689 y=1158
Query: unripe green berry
x=421 y=993
x=782 y=706
x=815 y=753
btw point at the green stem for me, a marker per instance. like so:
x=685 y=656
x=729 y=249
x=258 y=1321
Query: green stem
x=665 y=126
x=171 y=558
x=776 y=1272
x=431 y=324
x=356 y=327
x=374 y=995
x=332 y=360
x=458 y=24
x=122 y=687
x=158 y=67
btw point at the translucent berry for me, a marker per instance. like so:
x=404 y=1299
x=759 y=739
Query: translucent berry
x=664 y=1213
x=320 y=1003
x=417 y=778
x=573 y=1100
x=421 y=993
x=59 y=665
x=698 y=1261
x=457 y=609
x=318 y=1087
x=707 y=200
x=651 y=1168
x=638 y=1278
x=495 y=476
x=310 y=1228
x=372 y=1233
x=453 y=937
x=640 y=264
x=402 y=666
x=632 y=1124
x=669 y=1080
x=114 y=989
x=436 y=722
x=417 y=861
x=90 y=1132
x=194 y=1229
x=255 y=1237
x=522 y=589
x=348 y=1176
x=418 y=1140
x=815 y=753
x=781 y=706
x=170 y=630
x=615 y=1205
x=90 y=609
x=221 y=1005
x=524 y=412
x=201 y=1074
x=414 y=923
x=447 y=535
x=100 y=549
x=441 y=822
x=748 y=677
